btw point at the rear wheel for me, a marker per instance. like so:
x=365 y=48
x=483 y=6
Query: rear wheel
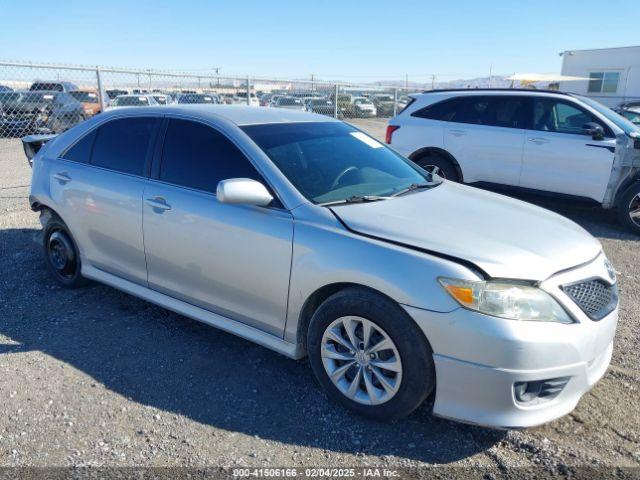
x=439 y=165
x=61 y=254
x=629 y=208
x=369 y=355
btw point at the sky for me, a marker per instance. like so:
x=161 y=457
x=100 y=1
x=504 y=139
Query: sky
x=333 y=40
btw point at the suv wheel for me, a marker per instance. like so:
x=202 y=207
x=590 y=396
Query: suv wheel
x=61 y=254
x=439 y=165
x=629 y=208
x=369 y=355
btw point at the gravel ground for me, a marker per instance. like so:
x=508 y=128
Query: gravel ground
x=95 y=377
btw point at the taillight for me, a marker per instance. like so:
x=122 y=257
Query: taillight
x=390 y=130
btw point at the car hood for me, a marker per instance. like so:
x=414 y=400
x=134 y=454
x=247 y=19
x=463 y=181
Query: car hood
x=505 y=238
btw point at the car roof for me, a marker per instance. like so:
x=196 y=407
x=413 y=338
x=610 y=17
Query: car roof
x=238 y=114
x=492 y=91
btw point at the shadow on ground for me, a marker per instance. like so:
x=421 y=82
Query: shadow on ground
x=160 y=359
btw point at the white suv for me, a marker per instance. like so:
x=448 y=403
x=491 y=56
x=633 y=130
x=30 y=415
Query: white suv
x=535 y=140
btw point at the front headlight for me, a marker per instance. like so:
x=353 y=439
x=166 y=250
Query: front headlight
x=514 y=301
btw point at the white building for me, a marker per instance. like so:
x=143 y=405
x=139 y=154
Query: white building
x=614 y=73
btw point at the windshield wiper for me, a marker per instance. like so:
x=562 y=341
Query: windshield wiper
x=355 y=199
x=412 y=187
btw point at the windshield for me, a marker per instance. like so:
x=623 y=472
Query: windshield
x=131 y=102
x=194 y=98
x=612 y=116
x=633 y=116
x=332 y=161
x=88 y=97
x=33 y=97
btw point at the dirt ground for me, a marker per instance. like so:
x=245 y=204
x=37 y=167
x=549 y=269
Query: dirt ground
x=96 y=377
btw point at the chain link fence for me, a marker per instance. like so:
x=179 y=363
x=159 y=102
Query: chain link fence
x=40 y=99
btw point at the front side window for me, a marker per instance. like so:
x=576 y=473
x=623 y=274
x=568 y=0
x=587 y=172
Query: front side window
x=197 y=156
x=123 y=144
x=603 y=82
x=551 y=115
x=332 y=161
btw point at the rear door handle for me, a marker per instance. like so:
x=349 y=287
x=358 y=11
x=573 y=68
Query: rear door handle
x=158 y=204
x=62 y=177
x=457 y=133
x=538 y=140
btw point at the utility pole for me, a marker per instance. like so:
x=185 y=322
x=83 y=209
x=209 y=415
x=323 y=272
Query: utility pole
x=433 y=81
x=406 y=81
x=490 y=76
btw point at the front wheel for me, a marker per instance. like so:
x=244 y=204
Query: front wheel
x=629 y=208
x=369 y=355
x=439 y=165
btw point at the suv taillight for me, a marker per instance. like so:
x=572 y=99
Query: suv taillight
x=390 y=130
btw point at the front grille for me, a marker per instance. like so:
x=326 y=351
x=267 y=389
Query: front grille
x=595 y=297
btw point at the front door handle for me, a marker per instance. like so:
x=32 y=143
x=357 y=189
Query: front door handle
x=62 y=177
x=158 y=204
x=538 y=140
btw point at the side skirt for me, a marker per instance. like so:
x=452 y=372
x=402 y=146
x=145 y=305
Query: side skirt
x=252 y=334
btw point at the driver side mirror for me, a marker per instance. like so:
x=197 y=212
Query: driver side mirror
x=243 y=191
x=594 y=129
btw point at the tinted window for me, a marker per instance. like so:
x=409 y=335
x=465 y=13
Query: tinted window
x=494 y=110
x=551 y=115
x=197 y=156
x=81 y=151
x=122 y=144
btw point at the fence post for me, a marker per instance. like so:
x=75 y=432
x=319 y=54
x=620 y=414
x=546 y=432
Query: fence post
x=248 y=91
x=100 y=93
x=395 y=101
x=335 y=103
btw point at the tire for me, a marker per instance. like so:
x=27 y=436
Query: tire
x=440 y=165
x=628 y=203
x=61 y=254
x=409 y=386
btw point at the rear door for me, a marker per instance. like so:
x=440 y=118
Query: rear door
x=485 y=134
x=233 y=260
x=98 y=185
x=559 y=157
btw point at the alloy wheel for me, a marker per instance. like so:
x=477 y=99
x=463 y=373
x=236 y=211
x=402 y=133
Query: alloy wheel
x=361 y=360
x=434 y=170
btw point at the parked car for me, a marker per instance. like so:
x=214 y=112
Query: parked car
x=290 y=103
x=364 y=107
x=265 y=99
x=632 y=114
x=23 y=113
x=321 y=106
x=190 y=98
x=113 y=93
x=626 y=105
x=5 y=89
x=162 y=98
x=513 y=306
x=538 y=141
x=384 y=104
x=241 y=98
x=52 y=86
x=90 y=101
x=133 y=100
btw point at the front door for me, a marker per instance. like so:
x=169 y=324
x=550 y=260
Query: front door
x=559 y=157
x=233 y=260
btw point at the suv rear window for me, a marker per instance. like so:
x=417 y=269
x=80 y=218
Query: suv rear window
x=123 y=144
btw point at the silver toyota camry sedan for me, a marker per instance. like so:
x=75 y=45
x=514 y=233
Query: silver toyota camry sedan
x=305 y=235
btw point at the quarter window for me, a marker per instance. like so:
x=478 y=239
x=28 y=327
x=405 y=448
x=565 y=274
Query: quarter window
x=123 y=144
x=81 y=151
x=197 y=156
x=603 y=82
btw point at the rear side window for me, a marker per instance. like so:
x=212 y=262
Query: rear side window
x=489 y=110
x=123 y=144
x=197 y=156
x=81 y=151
